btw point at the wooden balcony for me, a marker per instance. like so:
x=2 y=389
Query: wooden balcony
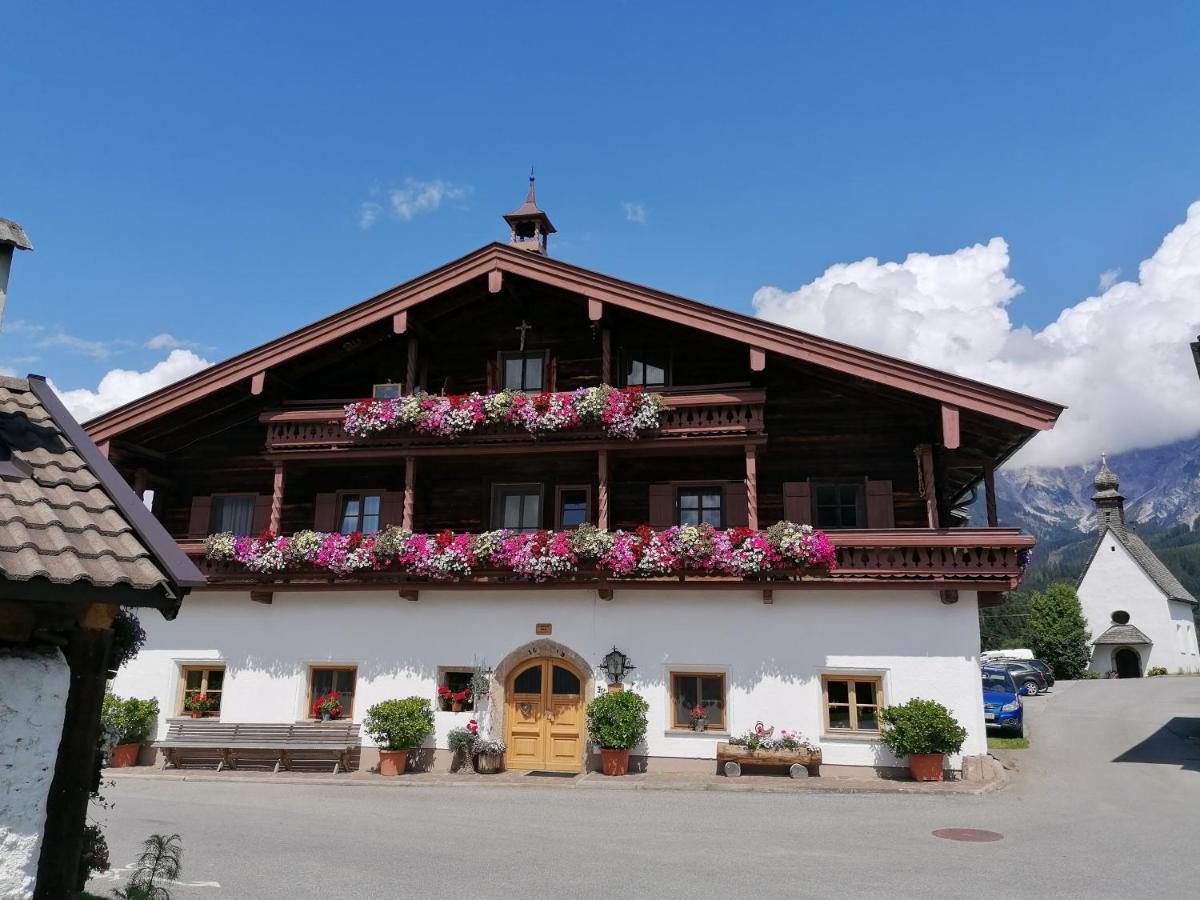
x=705 y=414
x=988 y=560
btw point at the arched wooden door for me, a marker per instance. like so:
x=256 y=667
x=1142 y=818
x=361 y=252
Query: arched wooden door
x=543 y=716
x=1127 y=663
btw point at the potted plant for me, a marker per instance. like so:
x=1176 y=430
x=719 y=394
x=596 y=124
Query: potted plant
x=455 y=699
x=489 y=755
x=131 y=720
x=328 y=706
x=460 y=740
x=398 y=726
x=616 y=723
x=924 y=731
x=699 y=716
x=199 y=705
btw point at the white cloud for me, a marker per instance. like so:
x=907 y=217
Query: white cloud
x=95 y=349
x=120 y=386
x=1108 y=278
x=634 y=212
x=1120 y=360
x=415 y=197
x=166 y=341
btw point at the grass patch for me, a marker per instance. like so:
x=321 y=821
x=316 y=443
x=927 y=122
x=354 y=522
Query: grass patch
x=1003 y=743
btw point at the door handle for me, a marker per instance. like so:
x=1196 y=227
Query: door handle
x=550 y=714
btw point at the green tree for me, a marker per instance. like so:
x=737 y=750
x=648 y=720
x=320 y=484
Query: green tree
x=1057 y=631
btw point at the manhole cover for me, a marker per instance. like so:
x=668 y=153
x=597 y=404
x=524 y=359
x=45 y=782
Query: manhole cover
x=971 y=835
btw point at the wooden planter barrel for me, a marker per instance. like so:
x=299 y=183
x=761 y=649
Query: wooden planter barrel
x=799 y=763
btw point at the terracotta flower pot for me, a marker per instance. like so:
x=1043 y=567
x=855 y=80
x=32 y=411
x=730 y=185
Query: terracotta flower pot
x=123 y=756
x=614 y=762
x=196 y=713
x=456 y=706
x=926 y=766
x=392 y=762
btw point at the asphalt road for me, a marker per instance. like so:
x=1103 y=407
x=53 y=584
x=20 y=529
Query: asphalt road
x=1105 y=804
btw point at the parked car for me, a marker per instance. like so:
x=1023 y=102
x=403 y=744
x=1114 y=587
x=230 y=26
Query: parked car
x=1046 y=669
x=1002 y=706
x=1027 y=678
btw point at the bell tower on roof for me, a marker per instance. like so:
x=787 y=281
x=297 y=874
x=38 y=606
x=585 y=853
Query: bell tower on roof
x=1110 y=505
x=530 y=226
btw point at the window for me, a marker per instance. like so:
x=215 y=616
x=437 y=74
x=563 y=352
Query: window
x=574 y=505
x=232 y=512
x=700 y=505
x=1120 y=617
x=517 y=506
x=326 y=679
x=692 y=689
x=838 y=504
x=523 y=371
x=389 y=390
x=852 y=703
x=360 y=512
x=202 y=681
x=455 y=680
x=645 y=370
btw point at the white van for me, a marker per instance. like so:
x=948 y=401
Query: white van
x=992 y=655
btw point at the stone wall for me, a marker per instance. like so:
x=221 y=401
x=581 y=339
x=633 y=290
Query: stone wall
x=33 y=697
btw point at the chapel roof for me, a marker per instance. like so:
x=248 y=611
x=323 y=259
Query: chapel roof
x=1155 y=569
x=1122 y=634
x=67 y=516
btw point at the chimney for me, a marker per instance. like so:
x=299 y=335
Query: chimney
x=12 y=236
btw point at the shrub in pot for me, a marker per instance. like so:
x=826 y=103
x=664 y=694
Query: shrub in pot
x=460 y=740
x=131 y=720
x=616 y=723
x=924 y=731
x=398 y=726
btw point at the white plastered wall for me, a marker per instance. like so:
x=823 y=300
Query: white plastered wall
x=1114 y=581
x=773 y=655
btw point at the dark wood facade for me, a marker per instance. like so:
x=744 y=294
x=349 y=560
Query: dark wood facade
x=768 y=428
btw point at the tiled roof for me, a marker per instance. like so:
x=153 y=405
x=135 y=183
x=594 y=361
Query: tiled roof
x=64 y=519
x=1122 y=634
x=1154 y=567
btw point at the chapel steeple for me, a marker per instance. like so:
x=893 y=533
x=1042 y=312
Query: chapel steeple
x=1110 y=505
x=530 y=226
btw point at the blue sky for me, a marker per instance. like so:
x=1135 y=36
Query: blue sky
x=201 y=170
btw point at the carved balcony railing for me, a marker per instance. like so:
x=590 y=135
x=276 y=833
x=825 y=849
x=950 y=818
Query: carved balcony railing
x=694 y=414
x=983 y=559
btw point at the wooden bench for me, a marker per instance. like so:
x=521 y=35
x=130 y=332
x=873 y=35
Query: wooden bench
x=227 y=738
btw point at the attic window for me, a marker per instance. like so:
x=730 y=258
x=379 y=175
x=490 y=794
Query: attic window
x=1120 y=617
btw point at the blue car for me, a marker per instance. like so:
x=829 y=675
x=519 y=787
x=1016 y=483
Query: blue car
x=1002 y=706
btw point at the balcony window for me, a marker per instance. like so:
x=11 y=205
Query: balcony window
x=700 y=505
x=646 y=370
x=360 y=512
x=232 y=512
x=517 y=506
x=524 y=371
x=574 y=505
x=838 y=504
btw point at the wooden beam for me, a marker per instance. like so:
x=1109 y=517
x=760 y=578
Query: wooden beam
x=410 y=486
x=495 y=281
x=257 y=383
x=950 y=430
x=410 y=594
x=400 y=322
x=605 y=356
x=102 y=446
x=262 y=596
x=758 y=359
x=276 y=500
x=595 y=310
x=410 y=365
x=752 y=486
x=928 y=483
x=989 y=492
x=602 y=490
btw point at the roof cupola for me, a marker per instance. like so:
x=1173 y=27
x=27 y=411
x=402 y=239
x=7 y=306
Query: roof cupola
x=1110 y=505
x=530 y=226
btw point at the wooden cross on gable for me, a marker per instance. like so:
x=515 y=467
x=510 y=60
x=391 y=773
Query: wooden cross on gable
x=523 y=327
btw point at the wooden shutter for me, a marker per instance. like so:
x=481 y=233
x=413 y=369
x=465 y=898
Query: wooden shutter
x=662 y=505
x=325 y=515
x=737 y=506
x=881 y=511
x=493 y=375
x=262 y=513
x=391 y=509
x=200 y=518
x=797 y=502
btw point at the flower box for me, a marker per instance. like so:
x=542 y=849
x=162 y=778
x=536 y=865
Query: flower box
x=731 y=759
